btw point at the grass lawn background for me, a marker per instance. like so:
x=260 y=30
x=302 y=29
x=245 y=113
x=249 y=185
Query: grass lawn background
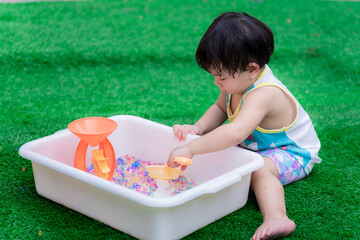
x=60 y=61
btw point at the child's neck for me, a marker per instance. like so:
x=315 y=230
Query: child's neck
x=260 y=73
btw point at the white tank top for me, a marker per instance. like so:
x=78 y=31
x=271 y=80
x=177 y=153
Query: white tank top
x=299 y=138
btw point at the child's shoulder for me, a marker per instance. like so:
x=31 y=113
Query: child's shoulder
x=266 y=92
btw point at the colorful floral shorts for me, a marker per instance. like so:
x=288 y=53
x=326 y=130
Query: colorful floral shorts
x=290 y=170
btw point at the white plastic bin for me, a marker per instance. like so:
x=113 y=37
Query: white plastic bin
x=224 y=178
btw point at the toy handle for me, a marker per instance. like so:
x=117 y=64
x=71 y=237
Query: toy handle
x=183 y=160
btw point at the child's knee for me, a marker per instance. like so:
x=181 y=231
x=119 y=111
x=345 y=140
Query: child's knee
x=268 y=168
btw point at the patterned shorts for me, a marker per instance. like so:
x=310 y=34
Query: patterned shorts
x=290 y=170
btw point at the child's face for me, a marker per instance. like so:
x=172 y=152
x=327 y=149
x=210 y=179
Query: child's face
x=236 y=84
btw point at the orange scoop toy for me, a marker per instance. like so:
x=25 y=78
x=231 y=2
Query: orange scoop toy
x=167 y=173
x=183 y=160
x=163 y=172
x=94 y=131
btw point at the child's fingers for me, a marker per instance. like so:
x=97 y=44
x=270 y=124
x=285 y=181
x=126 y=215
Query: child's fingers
x=183 y=167
x=170 y=162
x=180 y=131
x=176 y=131
x=175 y=128
x=181 y=134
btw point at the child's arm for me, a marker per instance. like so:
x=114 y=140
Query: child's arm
x=254 y=109
x=212 y=118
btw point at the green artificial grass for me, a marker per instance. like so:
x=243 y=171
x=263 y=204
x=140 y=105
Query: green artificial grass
x=60 y=61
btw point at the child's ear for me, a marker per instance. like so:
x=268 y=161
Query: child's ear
x=253 y=69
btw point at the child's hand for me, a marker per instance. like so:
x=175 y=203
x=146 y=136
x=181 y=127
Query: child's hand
x=180 y=131
x=179 y=152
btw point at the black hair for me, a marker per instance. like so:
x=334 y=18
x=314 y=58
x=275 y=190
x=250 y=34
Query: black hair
x=233 y=41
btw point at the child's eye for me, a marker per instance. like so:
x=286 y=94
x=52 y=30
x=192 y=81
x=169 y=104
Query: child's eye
x=222 y=79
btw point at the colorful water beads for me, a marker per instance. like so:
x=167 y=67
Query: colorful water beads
x=131 y=173
x=179 y=185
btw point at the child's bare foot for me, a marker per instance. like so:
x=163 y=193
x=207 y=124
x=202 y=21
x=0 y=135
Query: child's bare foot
x=274 y=228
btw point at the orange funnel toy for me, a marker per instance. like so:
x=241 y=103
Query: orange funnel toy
x=94 y=131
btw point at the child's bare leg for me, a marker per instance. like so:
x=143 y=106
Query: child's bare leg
x=269 y=194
